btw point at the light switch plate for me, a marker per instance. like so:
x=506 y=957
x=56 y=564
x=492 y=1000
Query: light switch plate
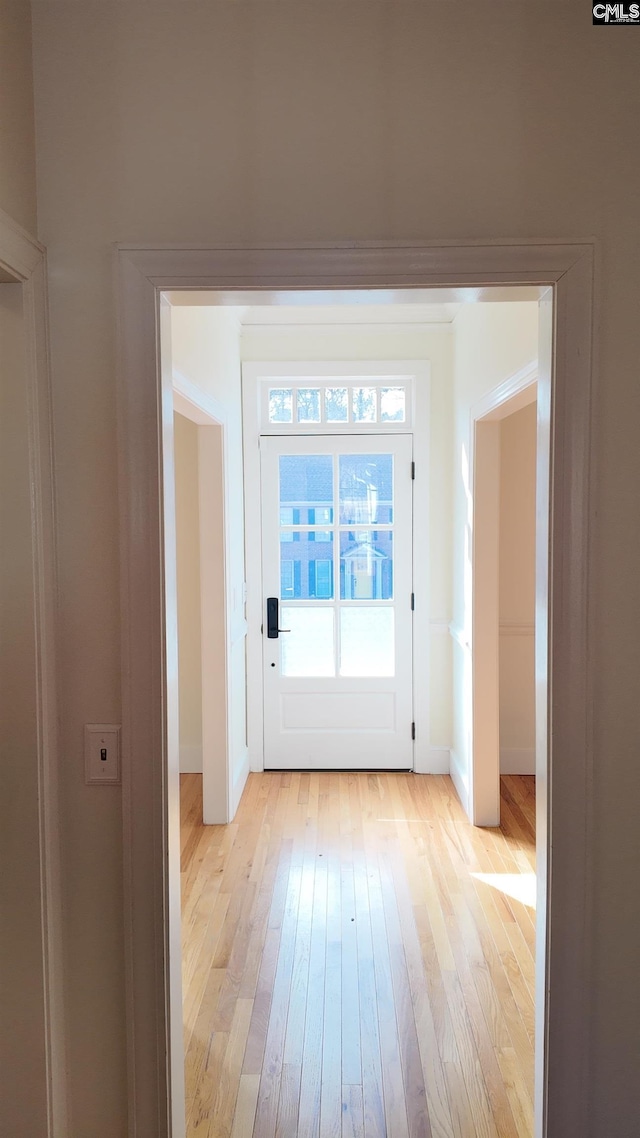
x=102 y=753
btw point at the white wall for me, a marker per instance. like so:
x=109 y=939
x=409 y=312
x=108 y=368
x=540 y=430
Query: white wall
x=517 y=590
x=22 y=1011
x=212 y=122
x=23 y=1075
x=205 y=344
x=185 y=450
x=352 y=342
x=492 y=343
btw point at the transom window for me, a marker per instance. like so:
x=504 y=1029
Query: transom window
x=297 y=401
x=348 y=404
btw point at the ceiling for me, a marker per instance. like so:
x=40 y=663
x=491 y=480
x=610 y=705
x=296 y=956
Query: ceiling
x=364 y=306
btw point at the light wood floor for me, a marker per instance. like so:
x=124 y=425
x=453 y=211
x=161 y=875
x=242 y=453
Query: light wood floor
x=354 y=964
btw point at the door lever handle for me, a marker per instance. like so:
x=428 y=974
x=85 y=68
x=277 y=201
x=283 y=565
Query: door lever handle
x=273 y=619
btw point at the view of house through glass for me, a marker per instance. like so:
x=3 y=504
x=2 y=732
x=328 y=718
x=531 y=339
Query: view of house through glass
x=336 y=545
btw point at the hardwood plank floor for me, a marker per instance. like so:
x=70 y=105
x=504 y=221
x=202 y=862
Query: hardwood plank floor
x=358 y=961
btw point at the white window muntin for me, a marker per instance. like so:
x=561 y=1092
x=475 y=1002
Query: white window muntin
x=376 y=380
x=305 y=404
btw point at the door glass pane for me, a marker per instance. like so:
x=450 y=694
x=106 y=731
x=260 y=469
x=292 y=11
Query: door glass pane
x=392 y=405
x=335 y=405
x=287 y=578
x=306 y=489
x=308 y=402
x=306 y=564
x=367 y=638
x=366 y=565
x=324 y=579
x=280 y=405
x=308 y=648
x=364 y=404
x=366 y=489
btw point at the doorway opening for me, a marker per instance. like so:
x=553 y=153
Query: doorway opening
x=560 y=991
x=335 y=510
x=330 y=540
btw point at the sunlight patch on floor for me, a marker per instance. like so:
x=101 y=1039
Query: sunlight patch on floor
x=520 y=886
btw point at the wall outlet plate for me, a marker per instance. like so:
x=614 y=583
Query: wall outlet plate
x=102 y=753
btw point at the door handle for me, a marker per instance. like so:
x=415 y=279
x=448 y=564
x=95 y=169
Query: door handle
x=273 y=618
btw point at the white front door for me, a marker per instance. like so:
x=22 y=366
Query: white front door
x=337 y=616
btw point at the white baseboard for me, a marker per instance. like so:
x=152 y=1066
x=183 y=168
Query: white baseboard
x=240 y=780
x=256 y=761
x=190 y=759
x=517 y=760
x=434 y=760
x=460 y=782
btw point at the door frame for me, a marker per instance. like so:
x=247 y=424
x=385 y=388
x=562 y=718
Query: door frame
x=403 y=523
x=23 y=262
x=151 y=866
x=426 y=759
x=210 y=420
x=483 y=806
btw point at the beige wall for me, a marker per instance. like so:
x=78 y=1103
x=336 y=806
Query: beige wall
x=23 y=1075
x=185 y=443
x=17 y=143
x=517 y=590
x=201 y=122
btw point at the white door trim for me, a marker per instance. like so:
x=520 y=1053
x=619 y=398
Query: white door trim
x=210 y=418
x=23 y=260
x=508 y=397
x=217 y=780
x=564 y=994
x=517 y=391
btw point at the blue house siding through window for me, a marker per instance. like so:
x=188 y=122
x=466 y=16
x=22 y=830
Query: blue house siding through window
x=365 y=502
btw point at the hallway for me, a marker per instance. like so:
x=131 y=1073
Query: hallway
x=358 y=960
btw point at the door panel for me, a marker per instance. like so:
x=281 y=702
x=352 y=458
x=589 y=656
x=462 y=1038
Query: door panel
x=337 y=557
